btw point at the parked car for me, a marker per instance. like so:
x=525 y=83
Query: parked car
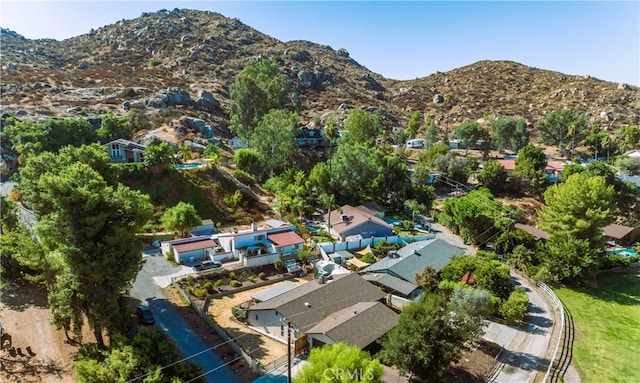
x=145 y=315
x=204 y=265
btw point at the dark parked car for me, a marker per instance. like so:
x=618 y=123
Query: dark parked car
x=145 y=315
x=204 y=265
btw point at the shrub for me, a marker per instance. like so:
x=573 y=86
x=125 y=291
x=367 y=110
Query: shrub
x=199 y=292
x=218 y=283
x=190 y=290
x=250 y=278
x=261 y=275
x=235 y=283
x=239 y=313
x=154 y=62
x=244 y=177
x=615 y=260
x=208 y=286
x=190 y=279
x=515 y=307
x=369 y=258
x=128 y=92
x=232 y=275
x=278 y=264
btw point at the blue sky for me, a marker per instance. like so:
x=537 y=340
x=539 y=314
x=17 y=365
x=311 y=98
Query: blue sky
x=400 y=40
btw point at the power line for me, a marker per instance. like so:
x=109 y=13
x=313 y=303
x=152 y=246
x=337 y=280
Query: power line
x=240 y=336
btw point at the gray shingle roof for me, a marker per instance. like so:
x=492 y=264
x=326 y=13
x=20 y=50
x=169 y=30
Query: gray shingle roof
x=414 y=257
x=322 y=299
x=357 y=325
x=391 y=282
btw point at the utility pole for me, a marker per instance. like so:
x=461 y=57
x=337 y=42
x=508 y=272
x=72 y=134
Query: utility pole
x=288 y=351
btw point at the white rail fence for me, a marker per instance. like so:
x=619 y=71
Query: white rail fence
x=558 y=303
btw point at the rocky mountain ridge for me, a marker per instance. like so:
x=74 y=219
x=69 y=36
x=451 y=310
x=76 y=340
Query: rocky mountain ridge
x=182 y=62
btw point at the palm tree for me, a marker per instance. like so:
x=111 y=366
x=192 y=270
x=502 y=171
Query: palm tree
x=184 y=152
x=331 y=132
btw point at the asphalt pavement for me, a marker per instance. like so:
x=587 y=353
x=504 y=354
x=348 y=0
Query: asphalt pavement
x=171 y=322
x=525 y=347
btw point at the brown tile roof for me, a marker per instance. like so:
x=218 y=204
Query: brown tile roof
x=357 y=325
x=311 y=302
x=616 y=231
x=287 y=238
x=534 y=231
x=355 y=217
x=195 y=245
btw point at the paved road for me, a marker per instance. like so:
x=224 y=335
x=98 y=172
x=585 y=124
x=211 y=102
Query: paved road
x=169 y=320
x=525 y=347
x=26 y=216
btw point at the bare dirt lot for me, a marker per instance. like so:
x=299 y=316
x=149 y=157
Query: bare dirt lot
x=25 y=320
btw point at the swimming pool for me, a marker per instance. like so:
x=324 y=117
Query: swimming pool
x=627 y=253
x=187 y=166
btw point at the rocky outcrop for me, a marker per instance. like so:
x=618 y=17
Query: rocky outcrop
x=169 y=97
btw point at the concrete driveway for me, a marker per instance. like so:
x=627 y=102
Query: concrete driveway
x=171 y=322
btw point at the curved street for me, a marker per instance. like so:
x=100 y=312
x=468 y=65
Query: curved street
x=525 y=347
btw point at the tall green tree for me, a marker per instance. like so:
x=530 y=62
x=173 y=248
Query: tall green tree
x=339 y=363
x=258 y=88
x=159 y=158
x=529 y=170
x=331 y=133
x=362 y=127
x=570 y=259
x=453 y=167
x=181 y=218
x=275 y=139
x=470 y=132
x=428 y=337
x=414 y=125
x=563 y=128
x=89 y=227
x=628 y=137
x=509 y=134
x=493 y=176
x=113 y=127
x=581 y=206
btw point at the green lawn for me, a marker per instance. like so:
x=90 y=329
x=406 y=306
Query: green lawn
x=607 y=320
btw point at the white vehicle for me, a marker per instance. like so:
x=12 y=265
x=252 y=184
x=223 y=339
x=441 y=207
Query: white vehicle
x=415 y=143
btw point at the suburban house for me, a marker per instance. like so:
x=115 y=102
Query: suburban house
x=345 y=308
x=536 y=233
x=552 y=170
x=190 y=250
x=620 y=235
x=252 y=247
x=349 y=221
x=308 y=137
x=123 y=151
x=403 y=265
x=358 y=325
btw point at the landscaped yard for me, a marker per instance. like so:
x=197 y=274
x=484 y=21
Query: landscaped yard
x=607 y=320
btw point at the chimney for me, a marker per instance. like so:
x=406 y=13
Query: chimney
x=254 y=227
x=344 y=218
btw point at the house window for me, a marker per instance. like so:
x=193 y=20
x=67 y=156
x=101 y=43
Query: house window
x=281 y=330
x=256 y=316
x=259 y=237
